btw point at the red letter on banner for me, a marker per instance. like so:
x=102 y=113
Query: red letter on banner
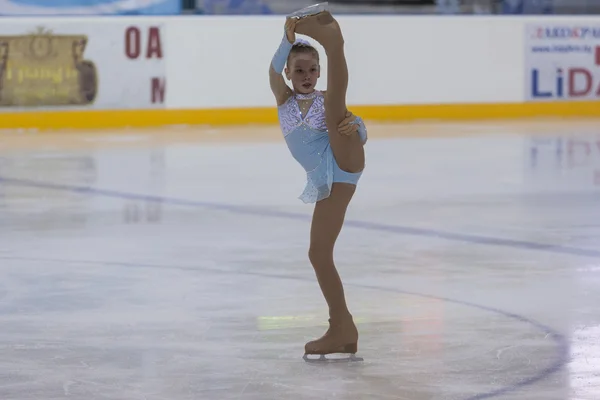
x=154 y=46
x=133 y=42
x=158 y=90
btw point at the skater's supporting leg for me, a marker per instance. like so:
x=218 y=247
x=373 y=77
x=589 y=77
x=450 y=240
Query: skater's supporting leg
x=327 y=222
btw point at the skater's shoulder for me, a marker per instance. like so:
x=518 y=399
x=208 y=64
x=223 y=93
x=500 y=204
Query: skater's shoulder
x=286 y=102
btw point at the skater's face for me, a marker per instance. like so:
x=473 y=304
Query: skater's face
x=304 y=71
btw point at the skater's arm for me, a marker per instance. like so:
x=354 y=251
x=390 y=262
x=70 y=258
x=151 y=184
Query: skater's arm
x=278 y=86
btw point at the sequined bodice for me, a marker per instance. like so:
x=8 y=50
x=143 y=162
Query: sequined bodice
x=290 y=115
x=306 y=136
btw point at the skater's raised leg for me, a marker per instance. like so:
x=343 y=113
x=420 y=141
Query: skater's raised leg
x=347 y=149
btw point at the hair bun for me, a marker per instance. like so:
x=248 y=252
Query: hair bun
x=301 y=42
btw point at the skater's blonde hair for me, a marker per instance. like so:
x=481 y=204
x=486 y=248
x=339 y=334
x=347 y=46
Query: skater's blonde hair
x=302 y=46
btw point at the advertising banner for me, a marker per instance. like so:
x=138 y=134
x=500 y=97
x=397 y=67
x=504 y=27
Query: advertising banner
x=90 y=7
x=82 y=65
x=562 y=62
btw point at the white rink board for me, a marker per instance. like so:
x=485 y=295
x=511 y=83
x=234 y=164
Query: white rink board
x=223 y=61
x=391 y=60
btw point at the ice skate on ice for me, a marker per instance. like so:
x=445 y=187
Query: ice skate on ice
x=340 y=339
x=323 y=358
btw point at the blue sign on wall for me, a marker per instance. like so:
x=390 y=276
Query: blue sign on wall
x=527 y=7
x=237 y=7
x=90 y=7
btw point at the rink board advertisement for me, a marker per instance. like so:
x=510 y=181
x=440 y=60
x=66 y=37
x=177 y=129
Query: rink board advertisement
x=82 y=65
x=562 y=62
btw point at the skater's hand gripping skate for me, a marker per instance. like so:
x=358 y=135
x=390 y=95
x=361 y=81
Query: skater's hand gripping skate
x=351 y=125
x=347 y=127
x=290 y=29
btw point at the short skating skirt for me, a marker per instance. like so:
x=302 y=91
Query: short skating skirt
x=320 y=180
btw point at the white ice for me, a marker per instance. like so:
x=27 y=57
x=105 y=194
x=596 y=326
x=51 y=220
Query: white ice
x=471 y=259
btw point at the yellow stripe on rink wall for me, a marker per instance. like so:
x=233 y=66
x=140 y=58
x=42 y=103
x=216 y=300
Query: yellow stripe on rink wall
x=103 y=119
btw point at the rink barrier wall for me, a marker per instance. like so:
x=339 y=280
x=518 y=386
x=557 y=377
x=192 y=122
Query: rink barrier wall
x=199 y=70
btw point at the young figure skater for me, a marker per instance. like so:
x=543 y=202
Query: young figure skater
x=327 y=140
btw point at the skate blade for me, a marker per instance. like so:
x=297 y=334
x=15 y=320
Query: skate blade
x=328 y=358
x=310 y=10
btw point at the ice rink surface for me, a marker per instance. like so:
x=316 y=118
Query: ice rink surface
x=172 y=264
